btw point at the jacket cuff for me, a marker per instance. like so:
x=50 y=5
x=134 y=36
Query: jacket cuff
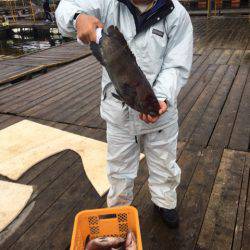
x=75 y=18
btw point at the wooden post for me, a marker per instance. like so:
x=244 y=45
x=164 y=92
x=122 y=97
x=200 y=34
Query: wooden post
x=11 y=10
x=32 y=11
x=15 y=8
x=208 y=8
x=215 y=7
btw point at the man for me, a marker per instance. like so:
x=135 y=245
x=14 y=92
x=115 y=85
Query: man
x=160 y=34
x=47 y=11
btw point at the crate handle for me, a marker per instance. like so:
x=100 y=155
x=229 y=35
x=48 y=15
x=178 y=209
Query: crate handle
x=107 y=216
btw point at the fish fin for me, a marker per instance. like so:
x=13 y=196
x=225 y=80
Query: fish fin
x=96 y=51
x=117 y=97
x=127 y=89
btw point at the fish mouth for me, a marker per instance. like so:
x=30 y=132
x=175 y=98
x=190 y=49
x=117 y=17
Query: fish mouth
x=153 y=113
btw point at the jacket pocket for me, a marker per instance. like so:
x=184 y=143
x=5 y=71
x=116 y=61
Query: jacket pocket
x=107 y=93
x=112 y=110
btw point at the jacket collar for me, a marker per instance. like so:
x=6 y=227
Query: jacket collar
x=143 y=21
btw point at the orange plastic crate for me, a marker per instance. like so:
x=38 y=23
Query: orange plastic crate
x=105 y=222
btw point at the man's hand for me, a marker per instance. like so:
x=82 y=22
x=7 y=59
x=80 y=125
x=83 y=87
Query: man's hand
x=153 y=119
x=86 y=28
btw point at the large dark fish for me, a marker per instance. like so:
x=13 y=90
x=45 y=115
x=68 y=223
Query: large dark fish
x=130 y=83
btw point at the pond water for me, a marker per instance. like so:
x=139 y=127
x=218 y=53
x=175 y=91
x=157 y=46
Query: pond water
x=21 y=41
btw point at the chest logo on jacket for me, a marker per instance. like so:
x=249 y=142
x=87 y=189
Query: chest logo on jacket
x=158 y=32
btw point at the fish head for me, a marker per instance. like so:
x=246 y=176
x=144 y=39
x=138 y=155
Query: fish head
x=151 y=106
x=131 y=243
x=105 y=243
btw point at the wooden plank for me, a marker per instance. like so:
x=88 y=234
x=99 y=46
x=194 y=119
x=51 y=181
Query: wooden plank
x=19 y=87
x=200 y=60
x=192 y=208
x=241 y=132
x=10 y=121
x=56 y=114
x=238 y=233
x=84 y=108
x=5 y=69
x=248 y=45
x=223 y=59
x=191 y=97
x=8 y=71
x=95 y=122
x=63 y=223
x=246 y=230
x=205 y=127
x=53 y=180
x=42 y=61
x=246 y=57
x=187 y=161
x=222 y=132
x=195 y=57
x=45 y=90
x=210 y=57
x=50 y=79
x=18 y=62
x=99 y=123
x=193 y=117
x=218 y=227
x=39 y=167
x=236 y=57
x=92 y=116
x=4 y=117
x=46 y=224
x=57 y=64
x=57 y=110
x=193 y=79
x=16 y=75
x=60 y=237
x=43 y=99
x=53 y=74
x=45 y=199
x=52 y=163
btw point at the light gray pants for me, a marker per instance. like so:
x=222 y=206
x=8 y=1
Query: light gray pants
x=123 y=161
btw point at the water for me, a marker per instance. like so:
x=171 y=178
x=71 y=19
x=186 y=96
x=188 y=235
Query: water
x=22 y=41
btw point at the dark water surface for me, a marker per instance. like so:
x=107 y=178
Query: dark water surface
x=22 y=41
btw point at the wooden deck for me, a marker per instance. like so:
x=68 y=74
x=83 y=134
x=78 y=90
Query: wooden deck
x=25 y=66
x=213 y=150
x=39 y=25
